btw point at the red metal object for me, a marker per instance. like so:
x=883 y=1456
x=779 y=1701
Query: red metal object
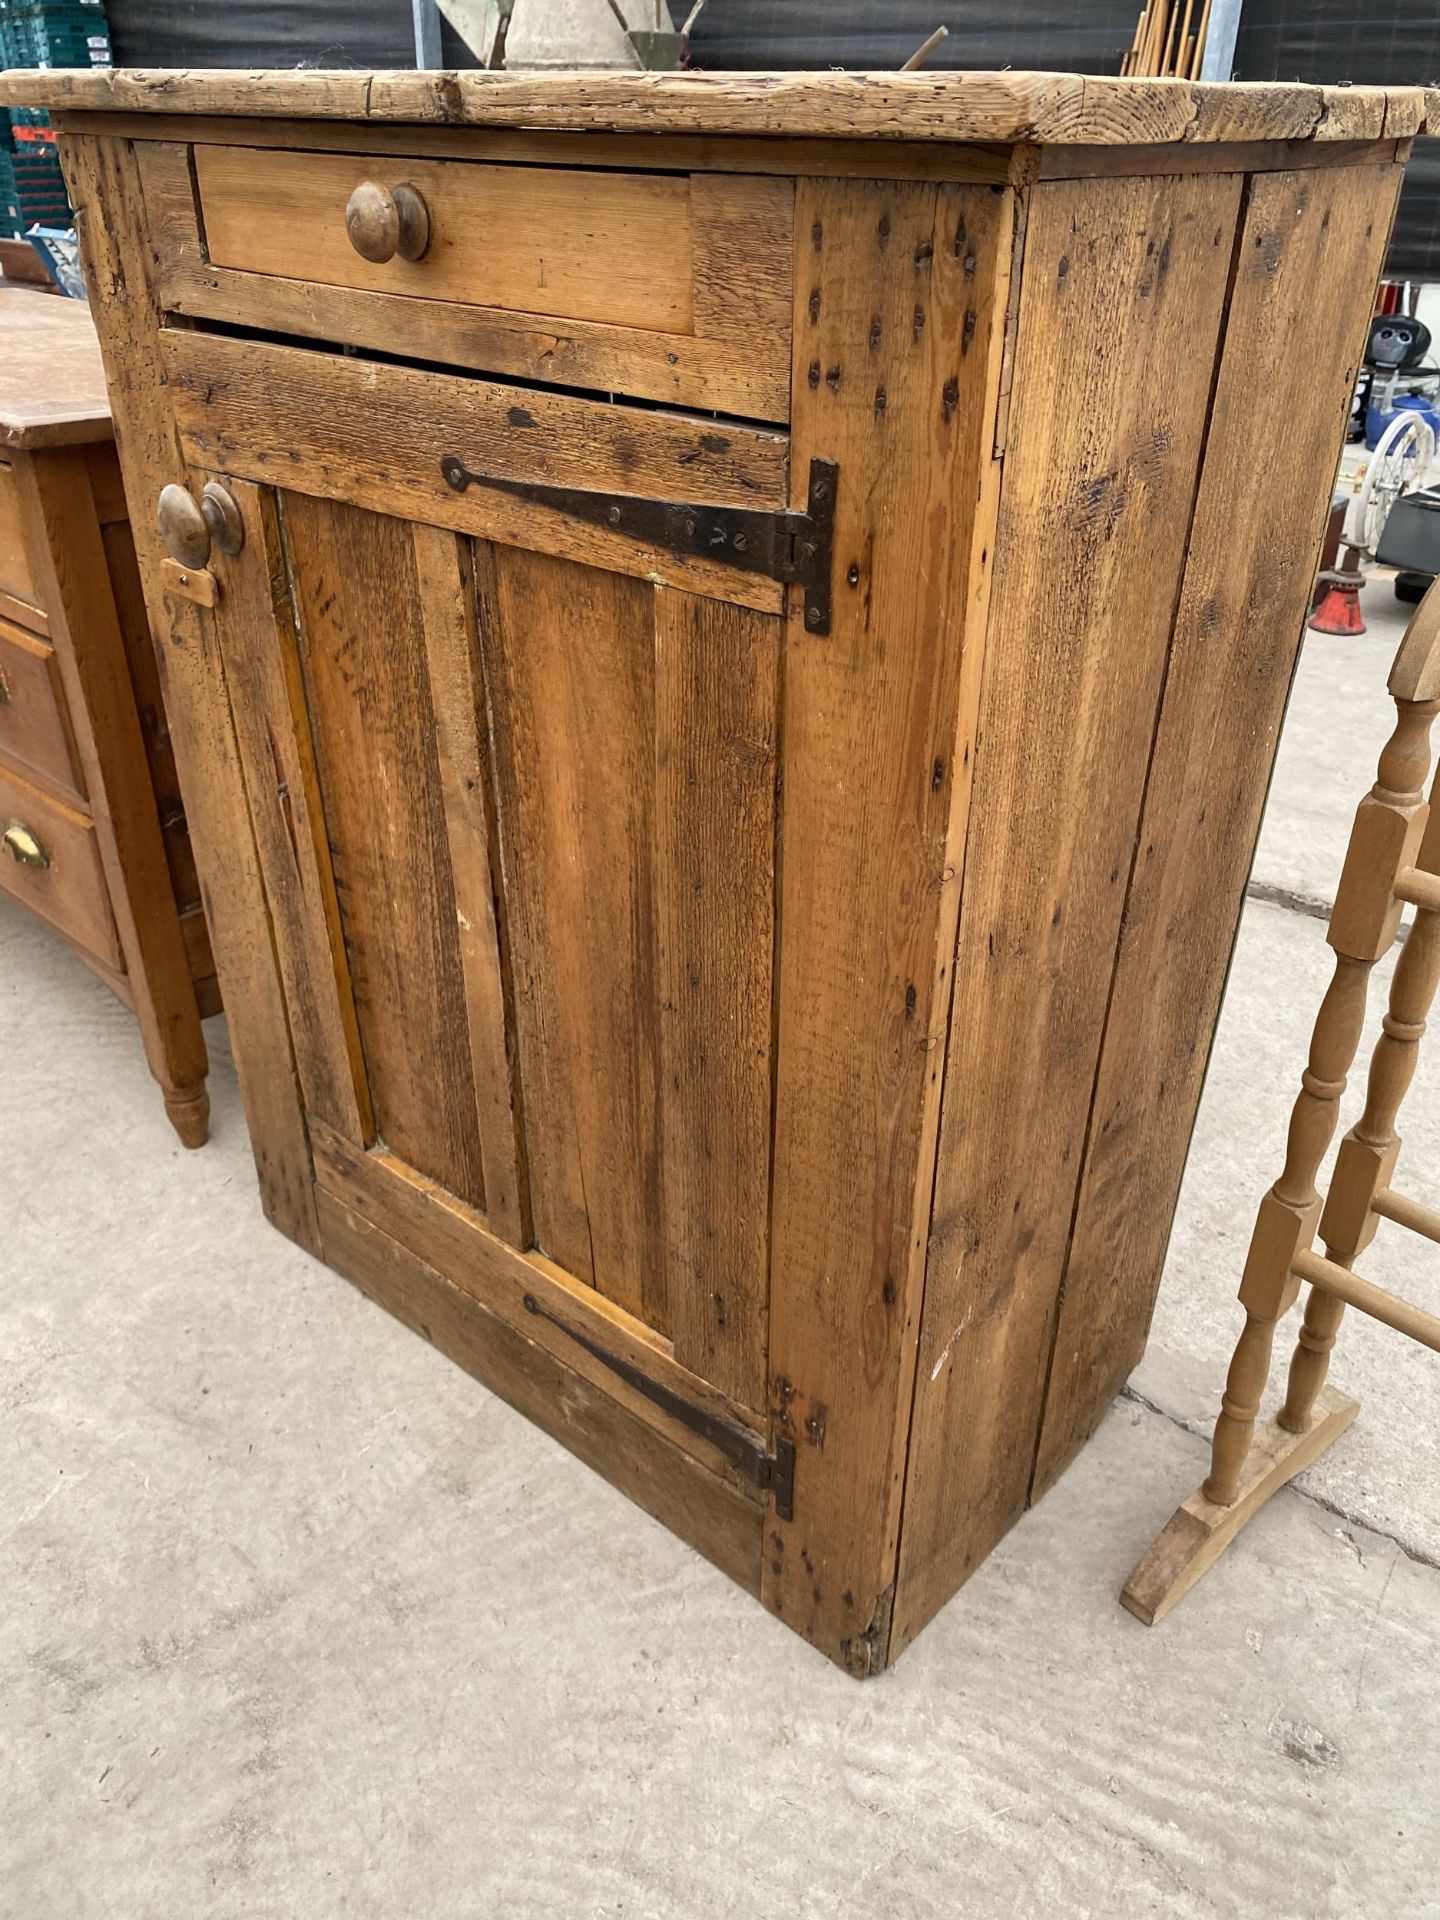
x=1338 y=610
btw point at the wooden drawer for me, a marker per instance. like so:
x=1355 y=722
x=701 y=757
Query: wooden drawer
x=617 y=247
x=670 y=286
x=69 y=889
x=34 y=724
x=16 y=577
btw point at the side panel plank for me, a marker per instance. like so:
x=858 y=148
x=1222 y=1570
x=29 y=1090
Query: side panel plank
x=899 y=299
x=1122 y=292
x=110 y=217
x=1237 y=635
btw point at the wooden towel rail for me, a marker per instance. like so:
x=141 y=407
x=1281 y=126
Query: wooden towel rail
x=1393 y=860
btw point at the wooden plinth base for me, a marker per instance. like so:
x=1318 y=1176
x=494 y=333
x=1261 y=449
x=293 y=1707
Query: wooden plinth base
x=1199 y=1531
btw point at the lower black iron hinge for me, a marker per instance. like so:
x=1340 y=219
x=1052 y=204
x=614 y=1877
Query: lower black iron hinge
x=772 y=1472
x=778 y=542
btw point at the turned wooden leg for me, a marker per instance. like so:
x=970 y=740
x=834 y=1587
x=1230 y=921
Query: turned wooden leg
x=188 y=1109
x=1311 y=1361
x=1239 y=1406
x=1286 y=1221
x=1369 y=1151
x=1386 y=835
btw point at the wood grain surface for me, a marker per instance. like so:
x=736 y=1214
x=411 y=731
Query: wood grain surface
x=373 y=435
x=362 y=650
x=634 y=742
x=1073 y=108
x=736 y=361
x=899 y=304
x=110 y=219
x=52 y=381
x=1237 y=634
x=610 y=247
x=1120 y=312
x=716 y=1518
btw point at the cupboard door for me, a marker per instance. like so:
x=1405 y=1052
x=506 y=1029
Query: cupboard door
x=517 y=816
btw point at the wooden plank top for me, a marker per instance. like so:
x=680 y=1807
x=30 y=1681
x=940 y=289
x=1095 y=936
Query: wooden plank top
x=52 y=385
x=1066 y=108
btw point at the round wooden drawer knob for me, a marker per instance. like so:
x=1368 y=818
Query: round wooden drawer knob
x=384 y=221
x=189 y=527
x=23 y=847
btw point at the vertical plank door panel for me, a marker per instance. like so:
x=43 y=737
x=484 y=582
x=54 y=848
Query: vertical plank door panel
x=262 y=664
x=118 y=259
x=1237 y=634
x=1122 y=292
x=362 y=644
x=569 y=656
x=716 y=693
x=635 y=766
x=444 y=571
x=899 y=294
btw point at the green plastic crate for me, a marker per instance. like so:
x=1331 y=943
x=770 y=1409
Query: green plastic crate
x=11 y=217
x=58 y=16
x=55 y=33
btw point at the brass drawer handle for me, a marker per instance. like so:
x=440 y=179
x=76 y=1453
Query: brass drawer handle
x=384 y=221
x=23 y=847
x=188 y=527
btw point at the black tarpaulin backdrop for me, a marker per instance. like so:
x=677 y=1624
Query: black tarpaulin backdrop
x=271 y=33
x=1395 y=43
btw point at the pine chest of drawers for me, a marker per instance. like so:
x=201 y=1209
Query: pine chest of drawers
x=725 y=637
x=92 y=832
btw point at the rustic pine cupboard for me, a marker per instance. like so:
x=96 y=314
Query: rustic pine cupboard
x=725 y=637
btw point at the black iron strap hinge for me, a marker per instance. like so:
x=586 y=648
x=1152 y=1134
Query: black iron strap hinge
x=771 y=1472
x=780 y=543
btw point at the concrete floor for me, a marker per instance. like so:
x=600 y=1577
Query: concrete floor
x=298 y=1621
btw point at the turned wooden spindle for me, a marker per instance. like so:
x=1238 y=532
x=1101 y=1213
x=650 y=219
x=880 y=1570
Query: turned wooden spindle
x=1394 y=856
x=1286 y=1220
x=1369 y=1151
x=1366 y=916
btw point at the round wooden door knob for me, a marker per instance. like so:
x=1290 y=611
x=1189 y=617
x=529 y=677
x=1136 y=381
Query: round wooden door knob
x=384 y=221
x=190 y=527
